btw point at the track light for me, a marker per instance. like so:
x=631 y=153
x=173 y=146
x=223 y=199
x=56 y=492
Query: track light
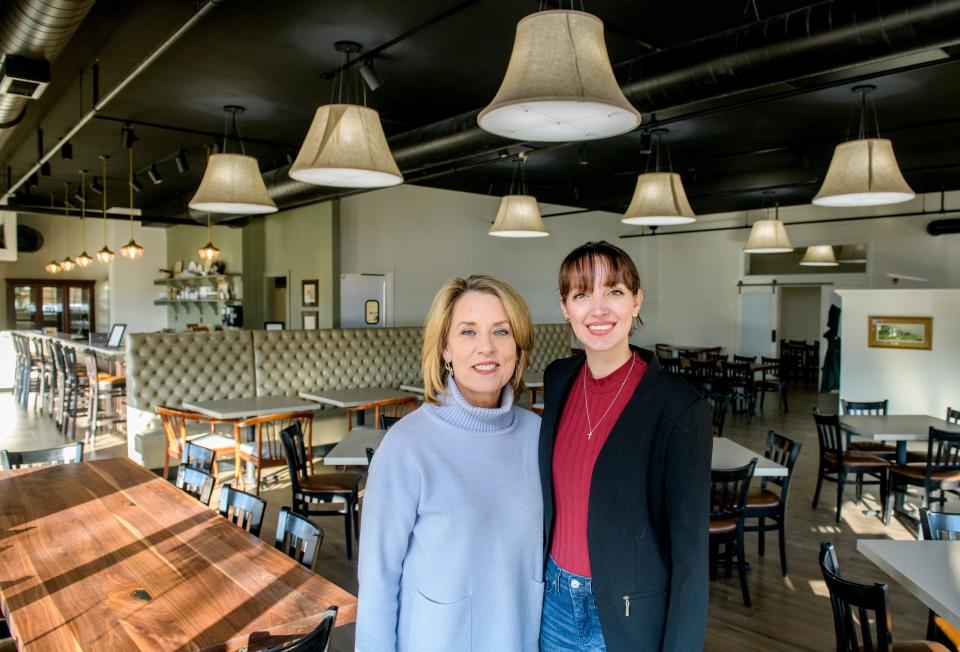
x=135 y=183
x=370 y=76
x=127 y=137
x=154 y=174
x=96 y=186
x=181 y=161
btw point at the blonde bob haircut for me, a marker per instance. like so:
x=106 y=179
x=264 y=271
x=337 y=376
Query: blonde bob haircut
x=436 y=330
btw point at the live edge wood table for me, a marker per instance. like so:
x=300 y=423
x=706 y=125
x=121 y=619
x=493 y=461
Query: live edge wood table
x=105 y=555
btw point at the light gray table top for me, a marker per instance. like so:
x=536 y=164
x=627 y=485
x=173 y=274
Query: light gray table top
x=251 y=406
x=347 y=398
x=930 y=570
x=728 y=454
x=533 y=380
x=352 y=449
x=894 y=427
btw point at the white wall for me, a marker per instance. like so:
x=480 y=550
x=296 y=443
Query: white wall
x=130 y=284
x=915 y=381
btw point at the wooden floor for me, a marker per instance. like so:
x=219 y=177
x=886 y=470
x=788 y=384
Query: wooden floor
x=787 y=614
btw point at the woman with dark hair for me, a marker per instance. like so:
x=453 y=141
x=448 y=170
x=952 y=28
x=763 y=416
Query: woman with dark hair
x=625 y=469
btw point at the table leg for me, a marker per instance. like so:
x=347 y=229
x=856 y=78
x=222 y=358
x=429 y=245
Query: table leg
x=901 y=452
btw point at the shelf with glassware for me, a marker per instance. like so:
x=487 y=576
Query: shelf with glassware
x=214 y=290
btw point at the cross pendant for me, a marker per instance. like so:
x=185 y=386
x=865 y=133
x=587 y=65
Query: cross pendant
x=589 y=434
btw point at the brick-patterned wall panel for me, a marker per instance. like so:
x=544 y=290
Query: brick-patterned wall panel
x=290 y=361
x=168 y=368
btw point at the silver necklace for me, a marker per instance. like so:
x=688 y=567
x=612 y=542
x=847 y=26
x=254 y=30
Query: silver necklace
x=586 y=405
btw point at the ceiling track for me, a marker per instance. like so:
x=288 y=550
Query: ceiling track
x=157 y=52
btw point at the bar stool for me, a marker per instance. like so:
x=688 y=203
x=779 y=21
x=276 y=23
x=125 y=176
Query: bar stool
x=75 y=390
x=50 y=377
x=102 y=387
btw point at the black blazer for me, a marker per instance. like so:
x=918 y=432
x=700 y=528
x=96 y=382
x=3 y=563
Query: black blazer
x=649 y=510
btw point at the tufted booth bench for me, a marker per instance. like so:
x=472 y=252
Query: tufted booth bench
x=169 y=368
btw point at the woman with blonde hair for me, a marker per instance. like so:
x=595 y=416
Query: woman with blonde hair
x=451 y=547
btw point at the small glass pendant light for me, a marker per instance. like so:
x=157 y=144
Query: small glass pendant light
x=131 y=250
x=84 y=259
x=519 y=215
x=105 y=255
x=53 y=267
x=208 y=252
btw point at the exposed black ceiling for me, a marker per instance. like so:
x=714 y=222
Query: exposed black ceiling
x=274 y=58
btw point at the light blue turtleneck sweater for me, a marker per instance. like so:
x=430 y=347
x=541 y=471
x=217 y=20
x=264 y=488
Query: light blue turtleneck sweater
x=451 y=544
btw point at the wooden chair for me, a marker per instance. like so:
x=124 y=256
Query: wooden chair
x=836 y=463
x=763 y=504
x=175 y=428
x=772 y=381
x=663 y=350
x=266 y=450
x=940 y=526
x=728 y=502
x=298 y=537
x=868 y=408
x=856 y=635
x=76 y=386
x=196 y=482
x=199 y=457
x=749 y=359
x=670 y=365
x=242 y=509
x=107 y=389
x=953 y=416
x=396 y=404
x=703 y=375
x=316 y=641
x=940 y=472
x=719 y=405
x=71 y=453
x=738 y=380
x=313 y=495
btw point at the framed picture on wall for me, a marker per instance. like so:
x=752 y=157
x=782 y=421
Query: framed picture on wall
x=900 y=332
x=308 y=293
x=310 y=320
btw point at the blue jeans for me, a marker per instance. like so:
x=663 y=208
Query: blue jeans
x=570 y=621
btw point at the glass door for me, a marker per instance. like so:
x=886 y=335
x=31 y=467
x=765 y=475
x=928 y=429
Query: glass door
x=78 y=313
x=24 y=307
x=51 y=300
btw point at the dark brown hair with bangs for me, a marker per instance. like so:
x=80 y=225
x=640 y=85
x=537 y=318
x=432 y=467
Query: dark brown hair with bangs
x=577 y=270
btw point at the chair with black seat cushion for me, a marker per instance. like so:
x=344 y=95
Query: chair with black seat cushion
x=728 y=502
x=69 y=454
x=763 y=504
x=940 y=472
x=836 y=463
x=772 y=381
x=196 y=482
x=242 y=509
x=317 y=640
x=941 y=526
x=872 y=603
x=314 y=494
x=719 y=403
x=298 y=537
x=953 y=416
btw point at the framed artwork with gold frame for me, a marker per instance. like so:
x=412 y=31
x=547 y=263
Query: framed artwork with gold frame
x=900 y=332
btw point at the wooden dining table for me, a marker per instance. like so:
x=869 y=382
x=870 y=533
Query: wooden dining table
x=105 y=555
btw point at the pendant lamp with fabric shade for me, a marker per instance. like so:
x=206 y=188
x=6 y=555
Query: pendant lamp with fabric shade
x=559 y=85
x=519 y=214
x=232 y=182
x=819 y=256
x=768 y=237
x=659 y=198
x=864 y=172
x=345 y=146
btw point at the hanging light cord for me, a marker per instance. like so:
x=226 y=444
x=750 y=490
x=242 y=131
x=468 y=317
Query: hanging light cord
x=359 y=88
x=103 y=182
x=130 y=185
x=83 y=211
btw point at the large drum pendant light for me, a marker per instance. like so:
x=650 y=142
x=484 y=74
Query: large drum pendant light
x=232 y=183
x=864 y=172
x=559 y=85
x=345 y=146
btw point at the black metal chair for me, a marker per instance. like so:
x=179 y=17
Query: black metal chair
x=313 y=495
x=195 y=482
x=763 y=504
x=71 y=453
x=728 y=503
x=772 y=381
x=940 y=526
x=316 y=641
x=242 y=509
x=856 y=635
x=940 y=472
x=298 y=537
x=836 y=463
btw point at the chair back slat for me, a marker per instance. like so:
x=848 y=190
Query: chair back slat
x=745 y=358
x=298 y=537
x=953 y=416
x=69 y=454
x=719 y=405
x=198 y=457
x=870 y=602
x=943 y=452
x=242 y=509
x=729 y=489
x=785 y=452
x=866 y=408
x=195 y=482
x=829 y=435
x=90 y=362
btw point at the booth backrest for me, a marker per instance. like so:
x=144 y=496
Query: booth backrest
x=168 y=368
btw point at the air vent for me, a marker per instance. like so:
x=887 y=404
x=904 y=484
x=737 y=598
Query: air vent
x=23 y=77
